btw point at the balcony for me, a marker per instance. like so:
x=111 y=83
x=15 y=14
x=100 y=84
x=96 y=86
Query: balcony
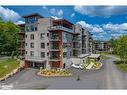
x=54 y=48
x=76 y=39
x=54 y=38
x=34 y=58
x=76 y=48
x=53 y=58
x=60 y=28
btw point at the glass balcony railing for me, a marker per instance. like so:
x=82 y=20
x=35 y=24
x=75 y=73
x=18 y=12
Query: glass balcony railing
x=54 y=48
x=60 y=28
x=76 y=39
x=53 y=58
x=54 y=38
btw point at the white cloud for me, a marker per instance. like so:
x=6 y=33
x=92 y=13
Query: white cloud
x=115 y=27
x=116 y=35
x=105 y=31
x=73 y=14
x=55 y=17
x=105 y=11
x=56 y=12
x=97 y=29
x=19 y=22
x=8 y=15
x=92 y=28
x=84 y=24
x=44 y=7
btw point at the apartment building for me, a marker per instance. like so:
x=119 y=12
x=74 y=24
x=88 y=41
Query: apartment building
x=53 y=43
x=101 y=46
x=22 y=40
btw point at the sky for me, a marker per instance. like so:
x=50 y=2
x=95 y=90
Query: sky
x=104 y=22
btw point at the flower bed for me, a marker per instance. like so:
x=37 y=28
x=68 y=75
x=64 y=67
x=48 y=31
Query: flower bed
x=97 y=66
x=53 y=73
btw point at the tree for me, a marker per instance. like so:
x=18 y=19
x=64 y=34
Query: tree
x=121 y=48
x=8 y=37
x=112 y=44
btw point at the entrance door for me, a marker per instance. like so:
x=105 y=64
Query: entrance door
x=38 y=65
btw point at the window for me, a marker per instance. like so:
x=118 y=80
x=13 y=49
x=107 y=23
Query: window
x=47 y=53
x=35 y=28
x=32 y=27
x=64 y=54
x=47 y=34
x=47 y=44
x=42 y=45
x=31 y=53
x=42 y=35
x=26 y=52
x=42 y=54
x=26 y=36
x=32 y=36
x=32 y=45
x=27 y=29
x=26 y=44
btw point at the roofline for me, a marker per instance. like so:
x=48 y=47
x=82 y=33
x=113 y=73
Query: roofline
x=29 y=15
x=64 y=20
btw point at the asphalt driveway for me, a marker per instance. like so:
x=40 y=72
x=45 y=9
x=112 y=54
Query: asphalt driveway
x=108 y=77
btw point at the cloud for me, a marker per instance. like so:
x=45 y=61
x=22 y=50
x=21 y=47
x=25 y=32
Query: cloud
x=115 y=27
x=104 y=11
x=97 y=29
x=56 y=12
x=8 y=15
x=19 y=22
x=92 y=28
x=73 y=14
x=55 y=17
x=105 y=31
x=84 y=24
x=44 y=7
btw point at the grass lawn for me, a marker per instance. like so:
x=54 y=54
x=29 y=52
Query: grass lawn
x=121 y=66
x=6 y=66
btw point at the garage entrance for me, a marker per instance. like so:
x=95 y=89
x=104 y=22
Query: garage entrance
x=37 y=65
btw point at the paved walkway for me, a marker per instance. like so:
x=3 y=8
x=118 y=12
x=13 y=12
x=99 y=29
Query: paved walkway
x=90 y=65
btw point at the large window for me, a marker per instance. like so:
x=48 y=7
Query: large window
x=42 y=35
x=31 y=53
x=31 y=20
x=42 y=45
x=32 y=45
x=32 y=36
x=27 y=28
x=35 y=28
x=30 y=28
x=42 y=54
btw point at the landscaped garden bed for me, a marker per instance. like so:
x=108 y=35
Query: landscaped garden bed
x=97 y=66
x=93 y=64
x=54 y=73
